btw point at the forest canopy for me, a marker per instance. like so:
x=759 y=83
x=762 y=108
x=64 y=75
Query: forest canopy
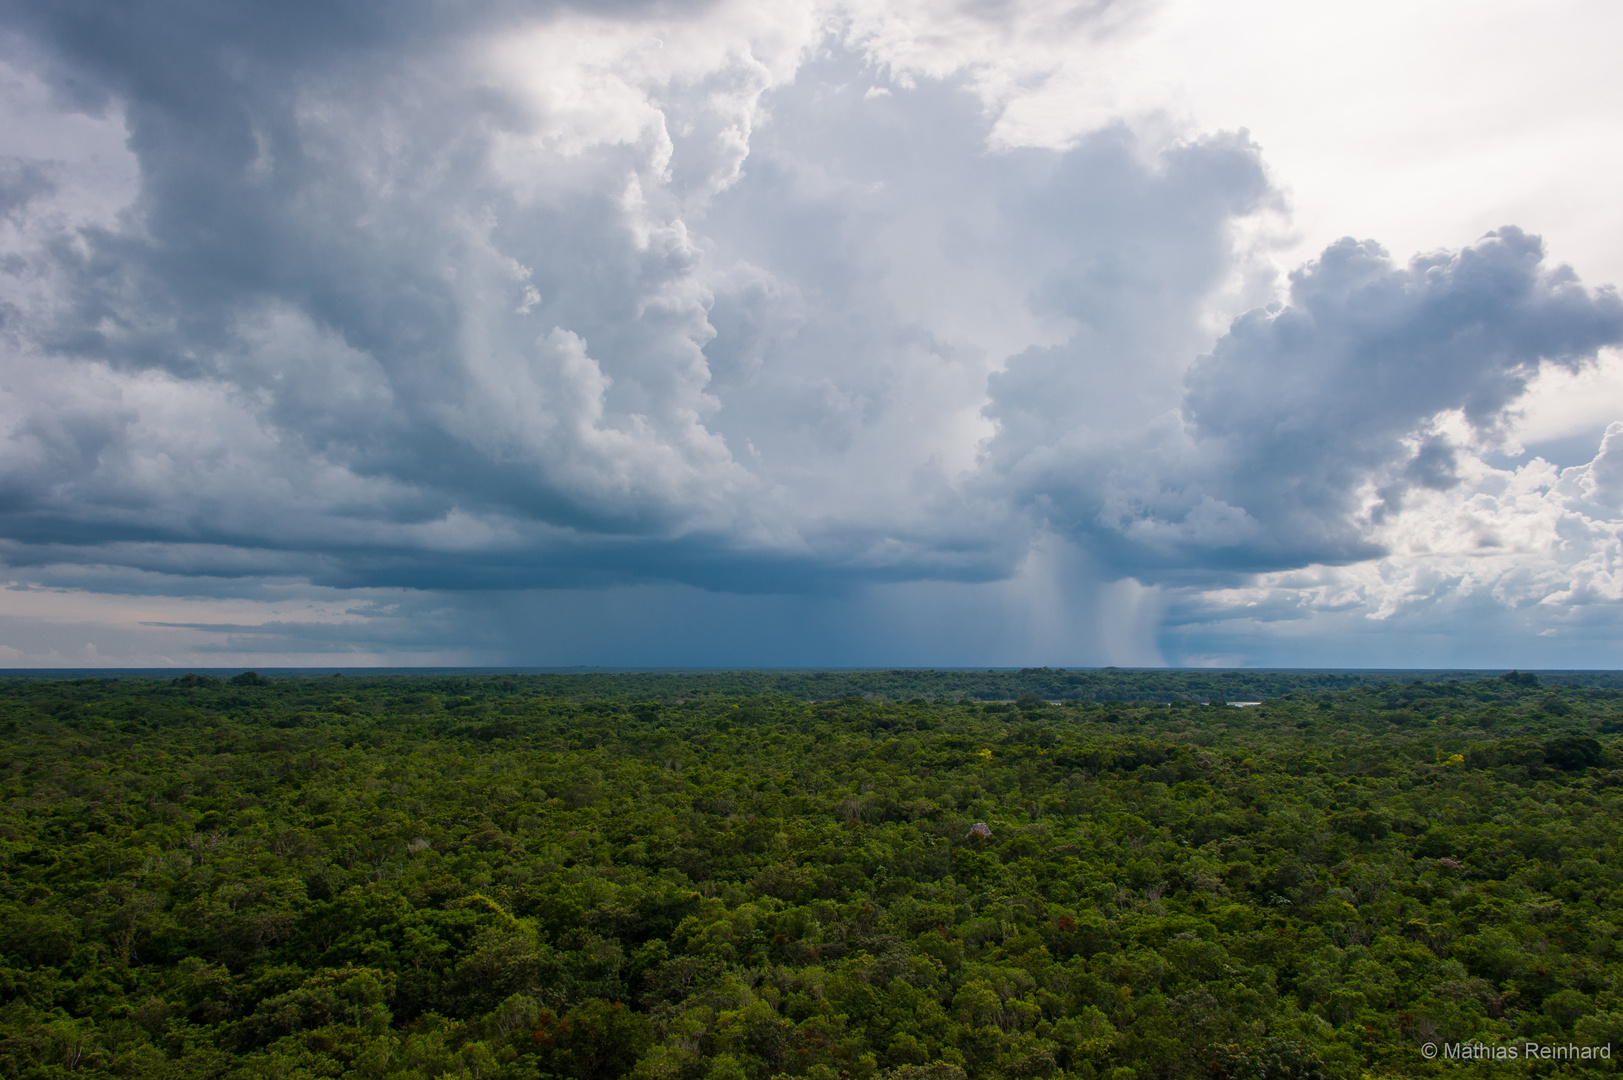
x=505 y=876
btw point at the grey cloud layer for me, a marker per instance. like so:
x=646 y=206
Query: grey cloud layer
x=1305 y=426
x=523 y=300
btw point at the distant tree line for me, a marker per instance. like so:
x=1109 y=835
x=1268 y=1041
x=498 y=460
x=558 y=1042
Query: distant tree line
x=1055 y=684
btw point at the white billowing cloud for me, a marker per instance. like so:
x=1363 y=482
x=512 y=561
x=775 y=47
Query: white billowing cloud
x=1534 y=535
x=1532 y=554
x=1309 y=424
x=887 y=309
x=521 y=290
x=338 y=337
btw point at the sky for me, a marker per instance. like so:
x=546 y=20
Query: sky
x=992 y=333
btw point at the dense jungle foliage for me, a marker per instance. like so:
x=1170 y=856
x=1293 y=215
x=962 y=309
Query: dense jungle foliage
x=462 y=877
x=996 y=684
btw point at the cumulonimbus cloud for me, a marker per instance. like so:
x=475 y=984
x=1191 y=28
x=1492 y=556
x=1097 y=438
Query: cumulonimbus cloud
x=759 y=300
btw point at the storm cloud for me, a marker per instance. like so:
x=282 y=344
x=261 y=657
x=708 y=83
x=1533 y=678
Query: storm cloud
x=641 y=318
x=1302 y=431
